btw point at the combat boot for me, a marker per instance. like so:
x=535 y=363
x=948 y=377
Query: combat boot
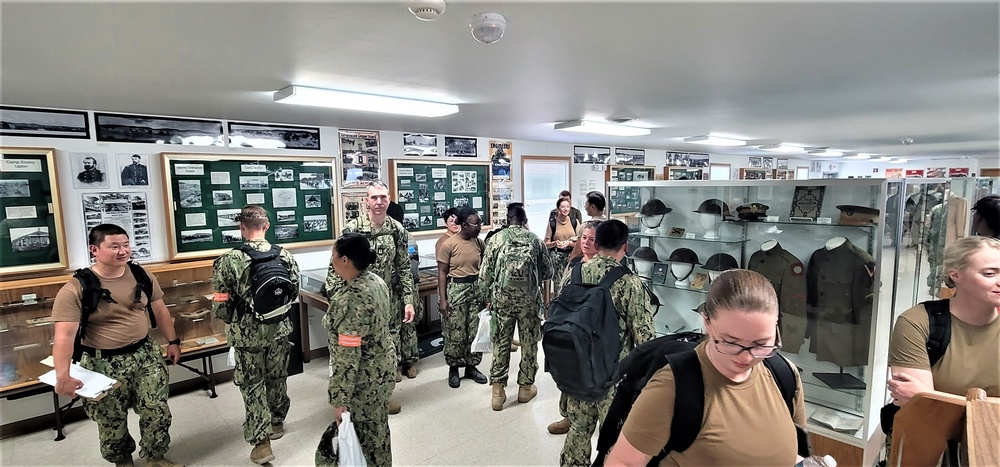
x=277 y=430
x=161 y=462
x=474 y=374
x=526 y=392
x=499 y=397
x=559 y=428
x=394 y=407
x=261 y=453
x=399 y=376
x=411 y=370
x=453 y=379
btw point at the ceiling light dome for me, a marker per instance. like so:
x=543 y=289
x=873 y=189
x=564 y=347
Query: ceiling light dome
x=427 y=10
x=488 y=27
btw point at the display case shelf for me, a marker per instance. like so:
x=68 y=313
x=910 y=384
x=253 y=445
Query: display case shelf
x=704 y=240
x=672 y=286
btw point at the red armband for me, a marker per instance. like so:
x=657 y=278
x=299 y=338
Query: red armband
x=345 y=340
x=221 y=297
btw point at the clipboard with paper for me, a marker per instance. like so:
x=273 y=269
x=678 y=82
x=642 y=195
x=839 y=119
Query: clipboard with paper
x=95 y=385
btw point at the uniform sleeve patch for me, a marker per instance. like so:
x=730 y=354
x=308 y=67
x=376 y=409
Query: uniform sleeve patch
x=221 y=297
x=345 y=340
x=797 y=269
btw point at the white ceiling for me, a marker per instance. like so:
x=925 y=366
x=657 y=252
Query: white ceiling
x=851 y=76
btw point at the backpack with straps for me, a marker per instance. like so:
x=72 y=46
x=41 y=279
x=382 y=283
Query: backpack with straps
x=519 y=266
x=581 y=337
x=677 y=350
x=552 y=226
x=92 y=293
x=271 y=291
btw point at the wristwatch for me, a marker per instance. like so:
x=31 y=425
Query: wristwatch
x=176 y=342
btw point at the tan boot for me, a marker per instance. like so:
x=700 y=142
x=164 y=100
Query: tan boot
x=411 y=371
x=277 y=430
x=526 y=392
x=161 y=462
x=261 y=453
x=559 y=428
x=499 y=397
x=399 y=376
x=394 y=407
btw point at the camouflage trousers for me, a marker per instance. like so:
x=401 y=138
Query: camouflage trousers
x=404 y=335
x=261 y=374
x=144 y=389
x=520 y=309
x=370 y=415
x=459 y=328
x=583 y=419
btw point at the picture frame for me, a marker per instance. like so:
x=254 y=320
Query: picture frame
x=754 y=174
x=687 y=159
x=756 y=162
x=418 y=144
x=454 y=183
x=807 y=202
x=123 y=128
x=132 y=169
x=782 y=164
x=683 y=173
x=44 y=123
x=591 y=155
x=265 y=136
x=455 y=146
x=626 y=156
x=501 y=155
x=32 y=234
x=360 y=158
x=659 y=274
x=768 y=163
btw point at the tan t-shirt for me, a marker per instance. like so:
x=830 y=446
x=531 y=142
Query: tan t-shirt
x=563 y=231
x=113 y=325
x=437 y=246
x=462 y=256
x=972 y=359
x=744 y=423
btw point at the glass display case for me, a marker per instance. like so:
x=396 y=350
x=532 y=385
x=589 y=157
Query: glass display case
x=820 y=242
x=187 y=292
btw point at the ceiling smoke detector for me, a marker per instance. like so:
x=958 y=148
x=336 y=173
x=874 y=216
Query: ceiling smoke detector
x=488 y=27
x=427 y=10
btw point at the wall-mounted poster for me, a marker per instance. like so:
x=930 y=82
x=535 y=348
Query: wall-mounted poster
x=448 y=184
x=128 y=211
x=591 y=155
x=756 y=162
x=158 y=130
x=684 y=173
x=91 y=169
x=936 y=172
x=415 y=144
x=627 y=199
x=133 y=169
x=893 y=173
x=914 y=173
x=501 y=155
x=259 y=135
x=782 y=164
x=460 y=147
x=687 y=159
x=958 y=172
x=46 y=123
x=360 y=157
x=768 y=163
x=754 y=174
x=31 y=230
x=625 y=156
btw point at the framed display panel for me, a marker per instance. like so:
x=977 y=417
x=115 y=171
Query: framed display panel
x=677 y=173
x=426 y=189
x=32 y=237
x=755 y=174
x=203 y=194
x=626 y=200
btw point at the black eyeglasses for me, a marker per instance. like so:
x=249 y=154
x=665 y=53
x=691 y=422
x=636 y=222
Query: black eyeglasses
x=756 y=351
x=470 y=224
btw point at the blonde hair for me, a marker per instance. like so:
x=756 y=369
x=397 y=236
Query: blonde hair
x=741 y=290
x=956 y=256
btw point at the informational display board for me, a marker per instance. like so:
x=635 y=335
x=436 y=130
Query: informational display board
x=627 y=199
x=31 y=229
x=426 y=189
x=205 y=193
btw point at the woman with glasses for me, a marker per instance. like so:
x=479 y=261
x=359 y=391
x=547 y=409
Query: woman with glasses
x=746 y=421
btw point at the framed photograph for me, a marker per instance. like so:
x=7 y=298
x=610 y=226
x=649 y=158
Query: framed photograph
x=120 y=128
x=591 y=155
x=258 y=135
x=683 y=173
x=133 y=169
x=45 y=123
x=91 y=169
x=754 y=174
x=807 y=201
x=460 y=147
x=32 y=237
x=360 y=158
x=624 y=156
x=782 y=164
x=126 y=210
x=687 y=159
x=501 y=153
x=756 y=162
x=416 y=144
x=768 y=163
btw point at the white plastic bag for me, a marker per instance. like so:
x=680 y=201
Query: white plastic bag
x=483 y=341
x=232 y=356
x=348 y=447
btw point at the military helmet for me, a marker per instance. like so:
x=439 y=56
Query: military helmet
x=654 y=207
x=713 y=206
x=752 y=211
x=683 y=255
x=721 y=262
x=645 y=253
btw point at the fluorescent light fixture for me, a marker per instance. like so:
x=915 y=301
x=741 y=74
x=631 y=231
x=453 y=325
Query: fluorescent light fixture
x=301 y=95
x=884 y=159
x=782 y=148
x=825 y=153
x=714 y=140
x=859 y=157
x=898 y=161
x=601 y=128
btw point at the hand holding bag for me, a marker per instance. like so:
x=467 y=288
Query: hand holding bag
x=483 y=341
x=347 y=440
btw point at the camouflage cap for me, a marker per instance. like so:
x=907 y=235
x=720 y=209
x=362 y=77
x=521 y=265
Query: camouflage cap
x=713 y=206
x=683 y=255
x=654 y=207
x=721 y=262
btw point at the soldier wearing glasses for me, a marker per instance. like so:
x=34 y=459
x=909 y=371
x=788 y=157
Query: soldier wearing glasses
x=746 y=421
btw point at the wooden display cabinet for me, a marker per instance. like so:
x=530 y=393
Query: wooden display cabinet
x=187 y=292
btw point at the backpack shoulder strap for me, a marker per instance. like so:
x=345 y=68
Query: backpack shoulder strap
x=689 y=402
x=576 y=274
x=784 y=377
x=552 y=227
x=90 y=296
x=143 y=284
x=939 y=315
x=572 y=220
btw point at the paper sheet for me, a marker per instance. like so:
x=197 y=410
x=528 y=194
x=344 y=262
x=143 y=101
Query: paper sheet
x=94 y=383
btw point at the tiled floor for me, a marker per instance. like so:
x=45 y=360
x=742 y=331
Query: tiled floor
x=438 y=425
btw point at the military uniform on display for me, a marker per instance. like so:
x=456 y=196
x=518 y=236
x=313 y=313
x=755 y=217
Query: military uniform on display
x=261 y=350
x=788 y=275
x=363 y=360
x=839 y=292
x=635 y=324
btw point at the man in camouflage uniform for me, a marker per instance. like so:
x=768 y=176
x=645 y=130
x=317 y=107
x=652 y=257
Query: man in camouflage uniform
x=261 y=350
x=406 y=342
x=514 y=299
x=635 y=324
x=115 y=343
x=389 y=240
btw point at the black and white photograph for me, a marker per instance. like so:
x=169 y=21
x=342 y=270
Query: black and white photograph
x=313 y=201
x=423 y=193
x=698 y=160
x=313 y=181
x=257 y=135
x=360 y=157
x=315 y=224
x=139 y=203
x=196 y=236
x=286 y=232
x=405 y=196
x=284 y=197
x=134 y=169
x=591 y=155
x=189 y=193
x=125 y=209
x=285 y=216
x=460 y=147
x=756 y=162
x=461 y=201
x=782 y=164
x=464 y=181
x=23 y=239
x=45 y=123
x=411 y=221
x=439 y=208
x=440 y=185
x=426 y=221
x=227 y=217
x=253 y=182
x=415 y=144
x=420 y=177
x=255 y=198
x=640 y=176
x=232 y=236
x=284 y=175
x=120 y=128
x=625 y=156
x=768 y=162
x=14 y=189
x=90 y=169
x=222 y=197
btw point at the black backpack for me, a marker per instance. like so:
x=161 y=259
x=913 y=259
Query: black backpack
x=92 y=293
x=677 y=350
x=271 y=288
x=581 y=336
x=552 y=226
x=938 y=338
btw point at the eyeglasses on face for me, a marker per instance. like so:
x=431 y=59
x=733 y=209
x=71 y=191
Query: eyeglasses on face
x=470 y=224
x=756 y=351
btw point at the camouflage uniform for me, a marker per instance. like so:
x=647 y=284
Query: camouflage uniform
x=406 y=343
x=635 y=323
x=392 y=260
x=363 y=360
x=462 y=323
x=514 y=302
x=261 y=349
